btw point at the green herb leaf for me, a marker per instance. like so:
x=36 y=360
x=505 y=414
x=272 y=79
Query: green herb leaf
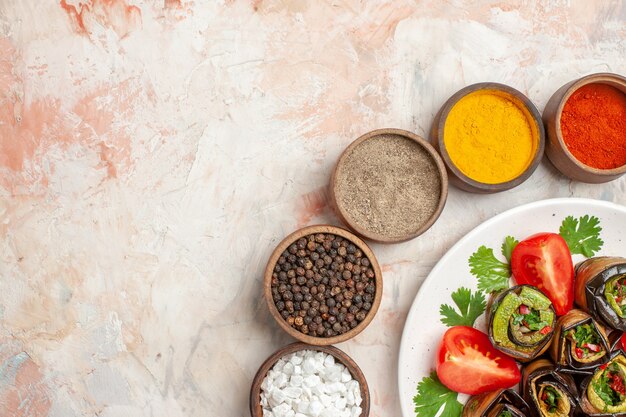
x=551 y=398
x=493 y=275
x=507 y=247
x=432 y=395
x=518 y=318
x=582 y=235
x=505 y=413
x=533 y=320
x=603 y=388
x=585 y=333
x=470 y=308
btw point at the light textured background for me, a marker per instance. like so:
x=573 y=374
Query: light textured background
x=152 y=154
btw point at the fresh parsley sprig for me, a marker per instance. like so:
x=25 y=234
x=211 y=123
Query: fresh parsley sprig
x=507 y=247
x=493 y=274
x=470 y=307
x=582 y=235
x=432 y=395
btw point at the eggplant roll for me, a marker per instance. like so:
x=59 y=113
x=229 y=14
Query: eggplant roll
x=580 y=343
x=499 y=403
x=600 y=289
x=603 y=393
x=547 y=391
x=521 y=322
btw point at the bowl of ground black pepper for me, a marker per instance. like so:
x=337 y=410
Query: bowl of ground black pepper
x=389 y=186
x=586 y=126
x=323 y=285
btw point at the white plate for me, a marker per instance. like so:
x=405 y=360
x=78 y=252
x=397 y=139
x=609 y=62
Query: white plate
x=423 y=329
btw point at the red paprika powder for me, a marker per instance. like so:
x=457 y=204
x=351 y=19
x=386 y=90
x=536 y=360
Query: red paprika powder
x=593 y=125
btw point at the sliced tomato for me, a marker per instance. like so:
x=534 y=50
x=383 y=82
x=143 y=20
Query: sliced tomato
x=544 y=261
x=467 y=362
x=622 y=341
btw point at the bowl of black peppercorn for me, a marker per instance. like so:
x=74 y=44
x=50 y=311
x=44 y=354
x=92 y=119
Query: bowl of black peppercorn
x=323 y=285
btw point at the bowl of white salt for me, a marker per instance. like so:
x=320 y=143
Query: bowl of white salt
x=309 y=381
x=389 y=186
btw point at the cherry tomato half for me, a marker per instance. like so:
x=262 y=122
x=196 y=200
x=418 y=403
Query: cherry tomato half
x=467 y=362
x=544 y=261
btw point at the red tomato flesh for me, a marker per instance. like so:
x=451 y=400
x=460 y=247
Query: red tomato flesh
x=544 y=261
x=467 y=362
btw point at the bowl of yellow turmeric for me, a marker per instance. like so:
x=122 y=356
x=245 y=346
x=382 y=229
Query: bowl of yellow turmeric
x=490 y=137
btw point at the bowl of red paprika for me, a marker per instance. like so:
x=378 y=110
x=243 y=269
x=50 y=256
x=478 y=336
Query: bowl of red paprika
x=586 y=127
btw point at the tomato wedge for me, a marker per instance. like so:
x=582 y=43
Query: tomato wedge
x=467 y=362
x=544 y=261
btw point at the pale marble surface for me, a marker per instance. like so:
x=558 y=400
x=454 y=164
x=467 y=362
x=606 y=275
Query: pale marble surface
x=152 y=154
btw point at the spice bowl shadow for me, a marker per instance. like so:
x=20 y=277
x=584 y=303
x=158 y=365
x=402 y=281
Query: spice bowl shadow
x=255 y=391
x=556 y=148
x=273 y=261
x=423 y=172
x=530 y=113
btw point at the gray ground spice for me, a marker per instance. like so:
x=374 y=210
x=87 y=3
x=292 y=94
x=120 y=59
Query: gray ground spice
x=388 y=185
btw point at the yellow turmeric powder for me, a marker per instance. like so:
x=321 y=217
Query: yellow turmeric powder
x=490 y=136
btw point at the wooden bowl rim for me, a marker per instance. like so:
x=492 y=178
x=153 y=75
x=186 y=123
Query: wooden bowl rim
x=599 y=78
x=536 y=118
x=255 y=390
x=443 y=177
x=267 y=284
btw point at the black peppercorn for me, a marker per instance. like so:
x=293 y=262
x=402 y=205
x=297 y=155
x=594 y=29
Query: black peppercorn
x=323 y=285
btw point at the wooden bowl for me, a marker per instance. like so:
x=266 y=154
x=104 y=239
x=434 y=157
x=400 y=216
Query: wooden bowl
x=267 y=284
x=255 y=392
x=457 y=177
x=556 y=149
x=361 y=231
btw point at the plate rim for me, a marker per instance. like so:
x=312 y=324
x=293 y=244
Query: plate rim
x=476 y=230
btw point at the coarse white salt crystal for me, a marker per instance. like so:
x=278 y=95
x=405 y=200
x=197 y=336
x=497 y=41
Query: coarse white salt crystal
x=277 y=398
x=355 y=411
x=278 y=367
x=333 y=373
x=329 y=412
x=315 y=408
x=319 y=389
x=288 y=368
x=300 y=415
x=296 y=380
x=329 y=360
x=308 y=366
x=345 y=375
x=281 y=381
x=281 y=410
x=325 y=399
x=296 y=360
x=340 y=403
x=293 y=392
x=312 y=380
x=303 y=406
x=335 y=387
